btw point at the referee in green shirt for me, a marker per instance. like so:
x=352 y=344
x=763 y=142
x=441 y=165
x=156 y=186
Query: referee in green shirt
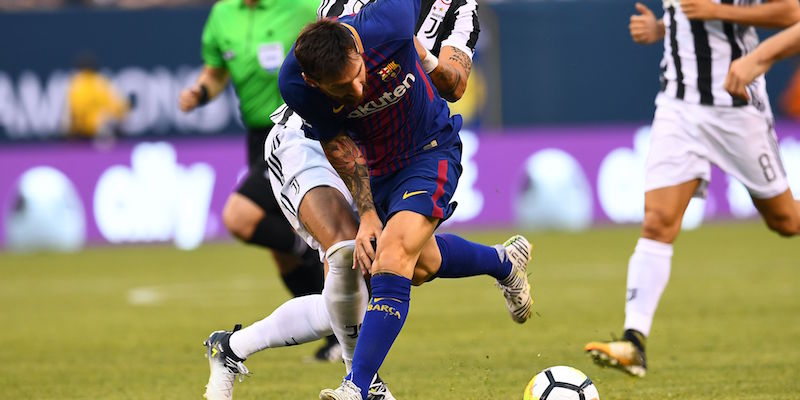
x=246 y=41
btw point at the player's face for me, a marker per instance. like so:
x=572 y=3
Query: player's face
x=349 y=88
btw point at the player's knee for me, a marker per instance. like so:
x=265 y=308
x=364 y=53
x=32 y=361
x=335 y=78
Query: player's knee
x=236 y=221
x=783 y=224
x=327 y=207
x=345 y=227
x=660 y=225
x=393 y=257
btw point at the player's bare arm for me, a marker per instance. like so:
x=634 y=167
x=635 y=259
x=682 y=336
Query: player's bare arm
x=347 y=159
x=745 y=69
x=210 y=83
x=644 y=27
x=771 y=14
x=450 y=76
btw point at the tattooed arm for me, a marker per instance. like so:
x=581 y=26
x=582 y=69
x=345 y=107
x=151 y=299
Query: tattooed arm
x=346 y=158
x=450 y=76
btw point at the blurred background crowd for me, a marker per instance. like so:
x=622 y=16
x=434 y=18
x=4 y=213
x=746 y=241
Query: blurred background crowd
x=16 y=5
x=559 y=94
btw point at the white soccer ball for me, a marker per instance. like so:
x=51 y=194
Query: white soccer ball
x=561 y=383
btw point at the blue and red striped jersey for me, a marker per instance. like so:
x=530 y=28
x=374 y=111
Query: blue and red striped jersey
x=401 y=114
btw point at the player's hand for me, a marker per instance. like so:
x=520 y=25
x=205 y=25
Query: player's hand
x=644 y=26
x=190 y=98
x=370 y=228
x=698 y=9
x=741 y=73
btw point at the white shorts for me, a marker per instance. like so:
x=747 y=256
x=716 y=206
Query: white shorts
x=296 y=165
x=686 y=138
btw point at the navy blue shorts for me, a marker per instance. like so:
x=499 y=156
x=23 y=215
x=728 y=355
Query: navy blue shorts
x=425 y=186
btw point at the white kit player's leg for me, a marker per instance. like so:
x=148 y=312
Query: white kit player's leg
x=648 y=274
x=346 y=297
x=299 y=320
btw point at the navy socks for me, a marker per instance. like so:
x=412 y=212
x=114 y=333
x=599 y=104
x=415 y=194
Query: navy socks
x=462 y=258
x=386 y=313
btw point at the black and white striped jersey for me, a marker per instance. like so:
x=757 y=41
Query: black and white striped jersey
x=698 y=54
x=440 y=22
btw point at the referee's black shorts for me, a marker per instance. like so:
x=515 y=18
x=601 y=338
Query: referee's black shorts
x=255 y=185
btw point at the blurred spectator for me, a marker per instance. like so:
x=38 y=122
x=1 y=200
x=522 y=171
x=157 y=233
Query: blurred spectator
x=16 y=5
x=790 y=100
x=10 y=5
x=95 y=109
x=146 y=3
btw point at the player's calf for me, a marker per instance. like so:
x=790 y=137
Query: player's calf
x=345 y=297
x=660 y=225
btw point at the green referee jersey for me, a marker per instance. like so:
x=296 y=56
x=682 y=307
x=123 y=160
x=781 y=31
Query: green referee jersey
x=251 y=43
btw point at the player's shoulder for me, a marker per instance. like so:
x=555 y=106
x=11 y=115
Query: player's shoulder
x=294 y=90
x=288 y=76
x=380 y=22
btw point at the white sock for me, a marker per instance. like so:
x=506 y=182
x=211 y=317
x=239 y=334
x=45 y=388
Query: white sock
x=346 y=297
x=648 y=274
x=299 y=320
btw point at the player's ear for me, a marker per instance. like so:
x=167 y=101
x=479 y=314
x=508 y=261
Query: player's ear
x=309 y=81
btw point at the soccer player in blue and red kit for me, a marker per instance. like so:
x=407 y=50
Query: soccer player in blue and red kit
x=360 y=87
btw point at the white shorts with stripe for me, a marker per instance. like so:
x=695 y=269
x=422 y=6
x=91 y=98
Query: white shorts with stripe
x=296 y=165
x=687 y=138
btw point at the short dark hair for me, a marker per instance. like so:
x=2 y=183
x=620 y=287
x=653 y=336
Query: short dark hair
x=324 y=48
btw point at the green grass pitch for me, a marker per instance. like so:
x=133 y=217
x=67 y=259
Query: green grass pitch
x=128 y=322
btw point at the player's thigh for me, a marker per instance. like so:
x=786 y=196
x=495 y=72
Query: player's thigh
x=677 y=152
x=401 y=242
x=781 y=213
x=297 y=167
x=743 y=143
x=664 y=208
x=425 y=187
x=327 y=215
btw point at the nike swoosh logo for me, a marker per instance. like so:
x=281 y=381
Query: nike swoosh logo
x=407 y=194
x=377 y=299
x=337 y=109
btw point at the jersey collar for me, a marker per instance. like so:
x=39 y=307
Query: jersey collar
x=356 y=38
x=259 y=4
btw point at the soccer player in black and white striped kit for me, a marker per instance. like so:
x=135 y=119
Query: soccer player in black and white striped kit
x=697 y=122
x=745 y=70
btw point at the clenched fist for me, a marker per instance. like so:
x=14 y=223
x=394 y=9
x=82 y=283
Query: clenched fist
x=190 y=98
x=644 y=26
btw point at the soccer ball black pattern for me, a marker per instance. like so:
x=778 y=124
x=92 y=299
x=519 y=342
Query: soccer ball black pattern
x=561 y=383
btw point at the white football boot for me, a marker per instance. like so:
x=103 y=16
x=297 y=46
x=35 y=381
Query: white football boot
x=224 y=365
x=516 y=288
x=348 y=391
